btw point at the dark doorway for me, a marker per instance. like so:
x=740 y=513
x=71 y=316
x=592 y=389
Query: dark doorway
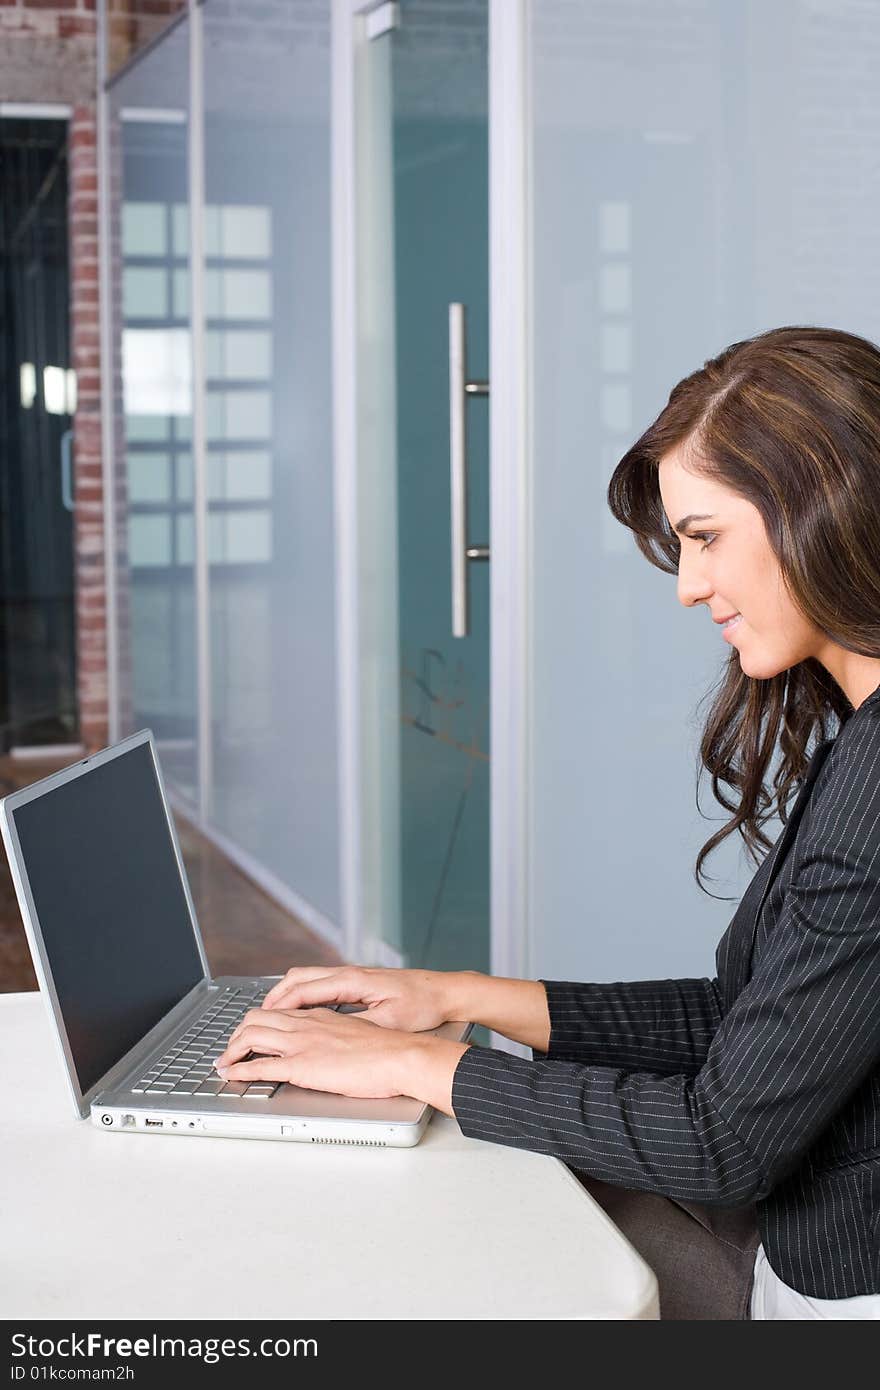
x=37 y=632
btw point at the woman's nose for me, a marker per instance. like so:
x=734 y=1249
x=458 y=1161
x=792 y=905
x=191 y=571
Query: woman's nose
x=692 y=587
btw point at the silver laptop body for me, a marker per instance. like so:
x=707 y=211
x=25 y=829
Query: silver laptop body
x=112 y=929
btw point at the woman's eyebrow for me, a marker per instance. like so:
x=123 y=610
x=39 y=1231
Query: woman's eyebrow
x=693 y=516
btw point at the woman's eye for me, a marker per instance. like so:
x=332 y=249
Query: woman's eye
x=703 y=537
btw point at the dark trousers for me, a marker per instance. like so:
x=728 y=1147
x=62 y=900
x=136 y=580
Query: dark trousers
x=703 y=1257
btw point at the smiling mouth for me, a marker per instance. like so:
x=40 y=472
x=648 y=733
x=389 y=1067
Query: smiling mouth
x=732 y=622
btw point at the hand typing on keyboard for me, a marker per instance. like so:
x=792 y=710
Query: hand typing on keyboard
x=187 y=1068
x=323 y=1049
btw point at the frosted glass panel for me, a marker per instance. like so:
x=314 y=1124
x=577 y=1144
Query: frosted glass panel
x=238 y=354
x=144 y=229
x=149 y=478
x=237 y=294
x=701 y=172
x=269 y=427
x=144 y=293
x=238 y=538
x=149 y=540
x=146 y=428
x=180 y=293
x=248 y=414
x=241 y=477
x=245 y=232
x=152 y=349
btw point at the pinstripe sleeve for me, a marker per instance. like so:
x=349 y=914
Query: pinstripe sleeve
x=663 y=1026
x=795 y=1044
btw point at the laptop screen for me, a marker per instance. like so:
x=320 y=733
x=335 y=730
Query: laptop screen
x=111 y=906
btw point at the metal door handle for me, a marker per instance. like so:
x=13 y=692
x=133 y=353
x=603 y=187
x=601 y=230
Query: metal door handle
x=459 y=390
x=67 y=470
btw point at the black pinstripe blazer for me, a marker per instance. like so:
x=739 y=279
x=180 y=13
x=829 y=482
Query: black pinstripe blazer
x=761 y=1085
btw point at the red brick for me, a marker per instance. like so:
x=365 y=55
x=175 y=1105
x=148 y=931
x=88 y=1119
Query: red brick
x=70 y=26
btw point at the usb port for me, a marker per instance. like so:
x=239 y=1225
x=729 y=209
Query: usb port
x=153 y=1124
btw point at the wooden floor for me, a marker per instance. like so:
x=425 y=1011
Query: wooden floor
x=244 y=930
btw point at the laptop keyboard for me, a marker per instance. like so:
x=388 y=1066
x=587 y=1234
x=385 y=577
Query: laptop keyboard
x=187 y=1068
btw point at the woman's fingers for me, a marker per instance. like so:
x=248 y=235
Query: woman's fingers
x=261 y=1018
x=296 y=975
x=265 y=1069
x=336 y=988
x=258 y=1037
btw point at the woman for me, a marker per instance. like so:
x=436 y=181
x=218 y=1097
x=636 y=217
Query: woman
x=729 y=1126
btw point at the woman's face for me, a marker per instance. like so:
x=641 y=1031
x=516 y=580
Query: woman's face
x=726 y=562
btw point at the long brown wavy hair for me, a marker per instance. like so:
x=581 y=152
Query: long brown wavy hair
x=790 y=420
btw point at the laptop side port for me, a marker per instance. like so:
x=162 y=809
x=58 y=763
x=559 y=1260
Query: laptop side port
x=154 y=1124
x=128 y=1121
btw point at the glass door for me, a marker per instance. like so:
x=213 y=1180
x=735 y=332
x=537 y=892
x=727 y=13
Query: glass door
x=38 y=705
x=423 y=201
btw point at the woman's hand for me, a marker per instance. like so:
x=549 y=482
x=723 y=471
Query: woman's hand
x=322 y=1050
x=412 y=1000
x=417 y=1000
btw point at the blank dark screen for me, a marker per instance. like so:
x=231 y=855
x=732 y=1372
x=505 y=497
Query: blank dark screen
x=111 y=906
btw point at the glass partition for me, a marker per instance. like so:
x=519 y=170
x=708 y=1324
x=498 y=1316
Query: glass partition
x=265 y=781
x=695 y=181
x=153 y=418
x=271 y=544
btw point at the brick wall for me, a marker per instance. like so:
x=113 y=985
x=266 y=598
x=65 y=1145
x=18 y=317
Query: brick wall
x=91 y=615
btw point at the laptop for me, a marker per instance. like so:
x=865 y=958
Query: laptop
x=109 y=916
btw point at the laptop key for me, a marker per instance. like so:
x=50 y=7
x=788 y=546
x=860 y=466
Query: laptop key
x=233 y=1088
x=260 y=1091
x=159 y=1088
x=185 y=1088
x=209 y=1088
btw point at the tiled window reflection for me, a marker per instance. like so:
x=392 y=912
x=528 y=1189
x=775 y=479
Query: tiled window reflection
x=239 y=361
x=157 y=385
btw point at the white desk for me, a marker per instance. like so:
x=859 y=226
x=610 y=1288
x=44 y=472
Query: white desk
x=154 y=1227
